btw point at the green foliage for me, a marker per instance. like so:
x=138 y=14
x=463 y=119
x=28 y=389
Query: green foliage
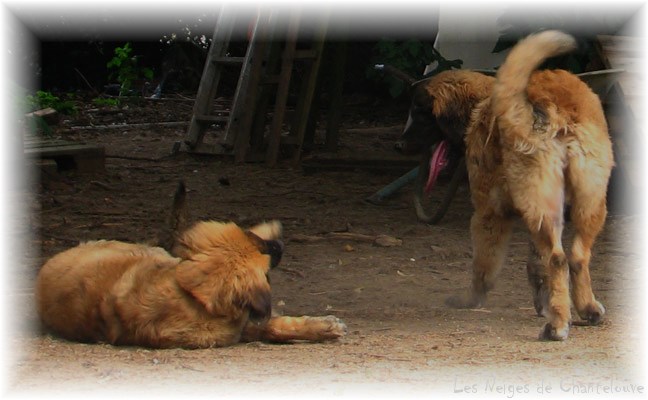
x=410 y=56
x=38 y=125
x=126 y=70
x=103 y=102
x=44 y=99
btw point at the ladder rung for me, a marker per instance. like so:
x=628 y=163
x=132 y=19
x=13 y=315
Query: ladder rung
x=305 y=54
x=212 y=118
x=228 y=60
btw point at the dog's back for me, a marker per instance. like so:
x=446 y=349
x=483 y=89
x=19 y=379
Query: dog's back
x=72 y=286
x=553 y=118
x=533 y=107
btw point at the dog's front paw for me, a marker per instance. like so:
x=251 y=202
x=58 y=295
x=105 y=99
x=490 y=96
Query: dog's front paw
x=328 y=327
x=549 y=332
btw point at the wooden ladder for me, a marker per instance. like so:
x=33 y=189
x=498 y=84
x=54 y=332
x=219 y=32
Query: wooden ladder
x=217 y=59
x=247 y=116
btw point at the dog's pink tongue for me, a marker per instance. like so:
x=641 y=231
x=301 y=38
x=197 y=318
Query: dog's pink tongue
x=438 y=161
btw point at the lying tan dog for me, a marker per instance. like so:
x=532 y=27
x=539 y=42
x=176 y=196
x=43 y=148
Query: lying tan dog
x=540 y=141
x=213 y=291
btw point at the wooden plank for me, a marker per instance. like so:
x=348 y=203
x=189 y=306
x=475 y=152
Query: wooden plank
x=274 y=139
x=30 y=144
x=68 y=155
x=335 y=105
x=229 y=60
x=70 y=149
x=49 y=115
x=306 y=100
x=243 y=114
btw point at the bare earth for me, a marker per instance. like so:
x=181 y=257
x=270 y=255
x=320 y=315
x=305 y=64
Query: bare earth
x=402 y=340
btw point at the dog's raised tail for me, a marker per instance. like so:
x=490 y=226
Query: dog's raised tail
x=509 y=91
x=176 y=221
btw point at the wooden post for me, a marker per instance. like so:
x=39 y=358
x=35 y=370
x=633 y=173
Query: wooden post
x=307 y=100
x=339 y=58
x=274 y=140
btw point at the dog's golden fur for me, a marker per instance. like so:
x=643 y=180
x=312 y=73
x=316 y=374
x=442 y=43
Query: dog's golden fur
x=213 y=292
x=454 y=94
x=538 y=142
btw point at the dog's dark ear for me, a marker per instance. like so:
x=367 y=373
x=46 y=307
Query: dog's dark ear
x=176 y=221
x=421 y=98
x=273 y=248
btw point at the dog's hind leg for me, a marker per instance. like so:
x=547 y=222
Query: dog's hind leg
x=490 y=236
x=537 y=276
x=588 y=214
x=545 y=223
x=289 y=329
x=536 y=184
x=547 y=242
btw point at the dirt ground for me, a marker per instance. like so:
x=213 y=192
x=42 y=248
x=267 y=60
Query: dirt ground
x=402 y=340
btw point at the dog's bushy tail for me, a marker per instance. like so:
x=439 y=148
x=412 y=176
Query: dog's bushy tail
x=176 y=221
x=509 y=101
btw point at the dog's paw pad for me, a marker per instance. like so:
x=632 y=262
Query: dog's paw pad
x=549 y=332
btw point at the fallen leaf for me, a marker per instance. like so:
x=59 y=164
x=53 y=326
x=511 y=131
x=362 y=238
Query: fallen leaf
x=387 y=241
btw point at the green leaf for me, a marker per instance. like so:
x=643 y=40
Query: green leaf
x=148 y=73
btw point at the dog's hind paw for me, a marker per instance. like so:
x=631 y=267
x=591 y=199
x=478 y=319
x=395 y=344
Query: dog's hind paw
x=593 y=313
x=549 y=332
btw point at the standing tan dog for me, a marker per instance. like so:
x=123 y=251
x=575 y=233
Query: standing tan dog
x=540 y=141
x=213 y=291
